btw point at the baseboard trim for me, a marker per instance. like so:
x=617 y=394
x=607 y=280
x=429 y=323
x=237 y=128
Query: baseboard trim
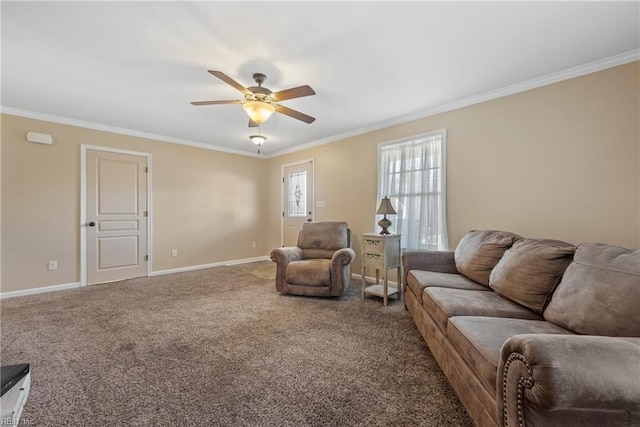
x=62 y=287
x=214 y=264
x=41 y=290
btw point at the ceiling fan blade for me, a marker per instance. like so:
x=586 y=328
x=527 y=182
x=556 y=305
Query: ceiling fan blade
x=228 y=80
x=231 y=101
x=296 y=92
x=253 y=124
x=293 y=113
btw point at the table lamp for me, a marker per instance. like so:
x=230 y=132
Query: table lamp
x=385 y=209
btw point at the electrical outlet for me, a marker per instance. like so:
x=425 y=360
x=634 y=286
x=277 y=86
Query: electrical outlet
x=174 y=252
x=52 y=265
x=253 y=245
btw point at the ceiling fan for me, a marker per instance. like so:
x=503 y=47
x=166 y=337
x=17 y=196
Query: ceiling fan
x=259 y=102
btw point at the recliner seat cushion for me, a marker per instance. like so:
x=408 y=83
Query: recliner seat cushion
x=529 y=271
x=444 y=303
x=479 y=340
x=479 y=251
x=418 y=280
x=599 y=292
x=309 y=272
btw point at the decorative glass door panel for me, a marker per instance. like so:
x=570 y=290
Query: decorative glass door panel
x=297 y=200
x=297 y=194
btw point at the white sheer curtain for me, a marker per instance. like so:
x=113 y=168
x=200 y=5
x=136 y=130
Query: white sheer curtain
x=412 y=174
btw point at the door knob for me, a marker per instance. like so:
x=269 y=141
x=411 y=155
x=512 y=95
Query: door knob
x=91 y=224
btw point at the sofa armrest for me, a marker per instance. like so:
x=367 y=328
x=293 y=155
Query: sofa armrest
x=438 y=261
x=569 y=377
x=282 y=257
x=341 y=270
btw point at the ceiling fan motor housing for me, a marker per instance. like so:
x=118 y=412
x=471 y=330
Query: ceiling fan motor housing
x=259 y=94
x=259 y=78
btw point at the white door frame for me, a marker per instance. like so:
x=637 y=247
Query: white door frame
x=282 y=196
x=83 y=205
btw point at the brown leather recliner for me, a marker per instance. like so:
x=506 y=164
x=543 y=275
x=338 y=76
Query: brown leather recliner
x=321 y=263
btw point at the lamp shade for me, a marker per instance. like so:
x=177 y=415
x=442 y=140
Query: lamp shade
x=258 y=111
x=385 y=207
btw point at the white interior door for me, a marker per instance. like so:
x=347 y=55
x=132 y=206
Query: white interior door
x=297 y=200
x=116 y=214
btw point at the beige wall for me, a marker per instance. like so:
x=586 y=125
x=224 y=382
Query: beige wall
x=207 y=204
x=560 y=161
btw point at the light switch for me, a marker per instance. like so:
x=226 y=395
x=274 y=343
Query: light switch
x=320 y=204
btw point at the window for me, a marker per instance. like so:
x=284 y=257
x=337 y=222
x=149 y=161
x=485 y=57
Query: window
x=412 y=174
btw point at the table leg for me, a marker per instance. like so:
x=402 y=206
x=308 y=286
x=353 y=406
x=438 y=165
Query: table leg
x=399 y=282
x=364 y=281
x=386 y=289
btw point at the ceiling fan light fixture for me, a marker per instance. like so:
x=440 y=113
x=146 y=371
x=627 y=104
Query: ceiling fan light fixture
x=258 y=111
x=258 y=139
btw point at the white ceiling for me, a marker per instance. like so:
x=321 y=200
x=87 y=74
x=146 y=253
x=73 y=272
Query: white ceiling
x=137 y=65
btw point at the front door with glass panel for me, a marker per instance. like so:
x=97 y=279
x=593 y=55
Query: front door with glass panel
x=297 y=200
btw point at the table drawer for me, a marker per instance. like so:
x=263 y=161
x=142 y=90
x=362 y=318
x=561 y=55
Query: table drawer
x=372 y=246
x=373 y=260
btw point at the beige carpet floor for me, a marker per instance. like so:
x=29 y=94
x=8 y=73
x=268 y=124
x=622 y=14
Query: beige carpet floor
x=220 y=347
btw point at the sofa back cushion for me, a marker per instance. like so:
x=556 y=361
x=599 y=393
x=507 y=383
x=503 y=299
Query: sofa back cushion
x=599 y=292
x=530 y=270
x=480 y=250
x=321 y=239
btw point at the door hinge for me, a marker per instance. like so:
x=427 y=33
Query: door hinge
x=146 y=213
x=146 y=169
x=146 y=257
x=283 y=214
x=283 y=179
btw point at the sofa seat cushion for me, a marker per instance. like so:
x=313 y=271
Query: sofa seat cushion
x=309 y=272
x=599 y=292
x=444 y=303
x=479 y=340
x=530 y=270
x=479 y=251
x=418 y=280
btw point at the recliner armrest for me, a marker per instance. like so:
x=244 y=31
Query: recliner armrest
x=282 y=257
x=286 y=254
x=571 y=375
x=343 y=256
x=341 y=270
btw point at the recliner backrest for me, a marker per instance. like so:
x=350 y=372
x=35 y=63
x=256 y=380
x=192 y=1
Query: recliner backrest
x=321 y=239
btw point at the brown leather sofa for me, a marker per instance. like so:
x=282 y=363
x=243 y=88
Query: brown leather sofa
x=532 y=332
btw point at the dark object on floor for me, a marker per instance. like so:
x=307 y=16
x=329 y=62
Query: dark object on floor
x=16 y=380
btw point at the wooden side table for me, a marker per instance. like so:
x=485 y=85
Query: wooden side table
x=381 y=252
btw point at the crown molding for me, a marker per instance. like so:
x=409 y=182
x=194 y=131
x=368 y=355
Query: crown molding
x=581 y=70
x=123 y=131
